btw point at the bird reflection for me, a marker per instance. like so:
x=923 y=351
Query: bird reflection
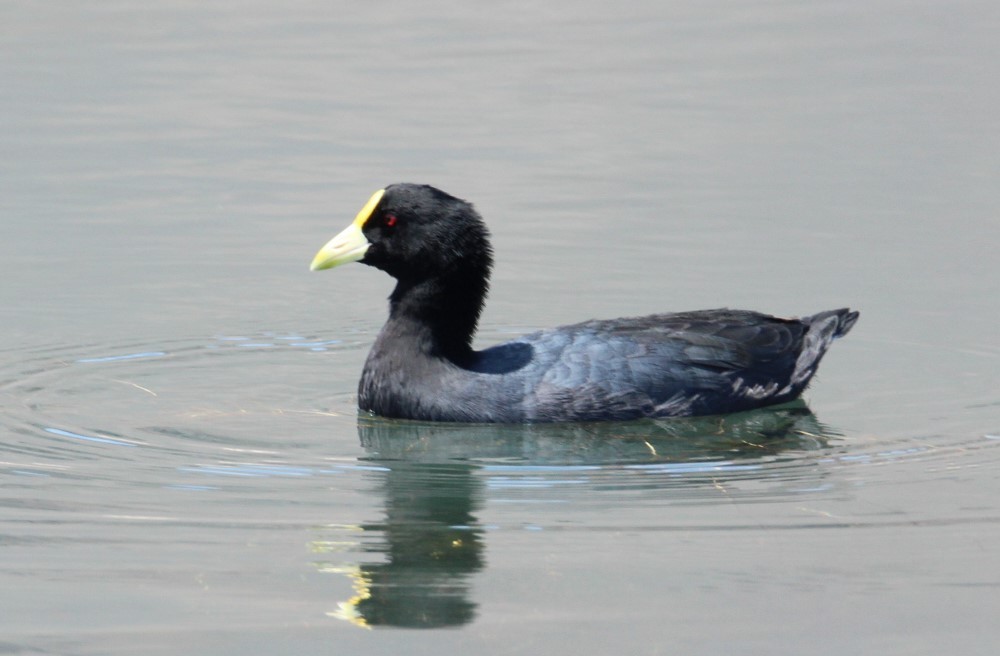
x=430 y=544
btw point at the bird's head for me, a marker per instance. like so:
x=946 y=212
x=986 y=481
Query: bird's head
x=412 y=232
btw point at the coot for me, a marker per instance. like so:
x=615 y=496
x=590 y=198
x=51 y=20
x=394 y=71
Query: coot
x=422 y=365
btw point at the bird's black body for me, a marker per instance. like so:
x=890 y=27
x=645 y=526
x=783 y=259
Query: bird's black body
x=422 y=365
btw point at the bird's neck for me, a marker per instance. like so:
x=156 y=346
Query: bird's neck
x=440 y=313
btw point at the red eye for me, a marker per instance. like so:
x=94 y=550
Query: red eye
x=390 y=220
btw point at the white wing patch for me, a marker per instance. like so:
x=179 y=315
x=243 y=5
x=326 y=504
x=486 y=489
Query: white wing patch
x=761 y=391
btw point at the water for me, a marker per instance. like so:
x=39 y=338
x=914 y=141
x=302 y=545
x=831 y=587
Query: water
x=181 y=465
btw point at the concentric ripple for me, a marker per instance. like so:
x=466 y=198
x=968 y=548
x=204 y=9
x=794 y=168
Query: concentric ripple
x=202 y=413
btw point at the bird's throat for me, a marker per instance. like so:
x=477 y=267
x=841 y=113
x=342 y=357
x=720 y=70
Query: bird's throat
x=440 y=314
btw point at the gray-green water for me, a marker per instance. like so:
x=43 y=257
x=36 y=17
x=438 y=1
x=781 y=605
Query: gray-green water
x=181 y=466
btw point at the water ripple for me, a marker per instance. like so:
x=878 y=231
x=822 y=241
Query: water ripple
x=285 y=401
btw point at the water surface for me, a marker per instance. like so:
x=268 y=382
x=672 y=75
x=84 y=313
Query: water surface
x=182 y=468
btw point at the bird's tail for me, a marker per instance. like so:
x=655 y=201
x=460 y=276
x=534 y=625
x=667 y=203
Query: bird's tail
x=846 y=318
x=824 y=327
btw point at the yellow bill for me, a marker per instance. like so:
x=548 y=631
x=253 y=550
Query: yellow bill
x=350 y=244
